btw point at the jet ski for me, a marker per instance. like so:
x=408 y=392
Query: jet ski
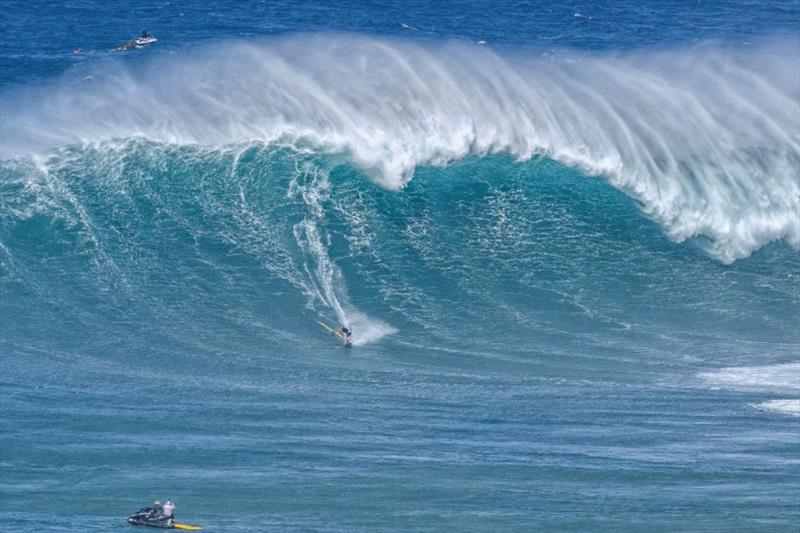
x=148 y=516
x=143 y=41
x=138 y=42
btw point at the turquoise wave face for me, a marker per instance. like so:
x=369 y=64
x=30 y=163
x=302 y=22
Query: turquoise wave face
x=486 y=255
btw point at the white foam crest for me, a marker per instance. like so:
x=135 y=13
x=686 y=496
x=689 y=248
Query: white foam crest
x=707 y=138
x=781 y=378
x=787 y=407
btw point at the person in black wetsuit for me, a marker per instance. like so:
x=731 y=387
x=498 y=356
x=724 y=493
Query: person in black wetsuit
x=347 y=332
x=155 y=510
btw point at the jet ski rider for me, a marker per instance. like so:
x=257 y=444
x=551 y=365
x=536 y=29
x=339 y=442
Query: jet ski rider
x=169 y=508
x=164 y=513
x=156 y=510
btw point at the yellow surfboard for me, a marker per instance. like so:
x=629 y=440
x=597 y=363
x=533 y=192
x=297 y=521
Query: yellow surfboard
x=336 y=332
x=187 y=527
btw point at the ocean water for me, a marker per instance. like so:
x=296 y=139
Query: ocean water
x=566 y=237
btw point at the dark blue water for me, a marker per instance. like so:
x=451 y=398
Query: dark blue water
x=565 y=237
x=37 y=41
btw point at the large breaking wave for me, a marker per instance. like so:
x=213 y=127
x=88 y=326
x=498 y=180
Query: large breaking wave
x=707 y=138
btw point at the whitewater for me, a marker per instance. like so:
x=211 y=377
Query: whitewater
x=572 y=270
x=705 y=138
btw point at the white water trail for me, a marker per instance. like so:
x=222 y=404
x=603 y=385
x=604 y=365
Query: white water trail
x=707 y=138
x=327 y=283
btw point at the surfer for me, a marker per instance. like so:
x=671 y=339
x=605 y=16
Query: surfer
x=347 y=332
x=343 y=333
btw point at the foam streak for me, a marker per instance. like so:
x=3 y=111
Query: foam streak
x=707 y=138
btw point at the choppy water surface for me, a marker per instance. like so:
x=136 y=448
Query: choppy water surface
x=571 y=268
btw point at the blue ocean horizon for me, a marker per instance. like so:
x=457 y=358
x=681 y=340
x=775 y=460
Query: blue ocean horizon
x=565 y=236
